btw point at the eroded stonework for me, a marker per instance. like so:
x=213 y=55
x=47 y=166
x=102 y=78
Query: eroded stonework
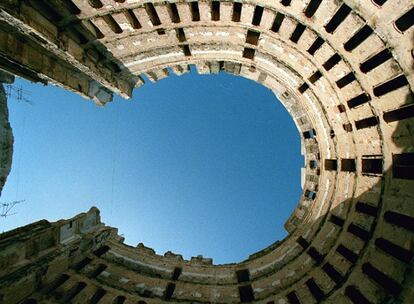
x=6 y=134
x=345 y=72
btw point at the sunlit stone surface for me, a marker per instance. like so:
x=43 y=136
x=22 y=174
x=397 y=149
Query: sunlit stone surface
x=344 y=71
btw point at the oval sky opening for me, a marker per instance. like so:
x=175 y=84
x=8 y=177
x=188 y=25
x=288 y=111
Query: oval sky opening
x=197 y=164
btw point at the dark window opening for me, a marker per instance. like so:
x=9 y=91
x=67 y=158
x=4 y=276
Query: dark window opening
x=372 y=165
x=400 y=220
x=348 y=165
x=297 y=33
x=246 y=293
x=315 y=290
x=303 y=88
x=173 y=11
x=309 y=134
x=315 y=77
x=358 y=38
x=237 y=10
x=186 y=50
x=195 y=12
x=119 y=300
x=403 y=165
x=331 y=62
x=95 y=3
x=72 y=8
x=394 y=250
x=169 y=291
x=82 y=264
x=73 y=292
x=341 y=108
x=379 y=2
x=355 y=295
x=313 y=164
x=405 y=21
x=312 y=7
x=337 y=220
x=375 y=61
x=101 y=268
x=76 y=35
x=101 y=251
x=331 y=164
x=112 y=24
x=344 y=81
x=215 y=10
x=132 y=19
x=58 y=282
x=221 y=63
x=285 y=2
x=277 y=22
x=152 y=14
x=366 y=122
x=113 y=67
x=302 y=242
x=347 y=254
x=292 y=298
x=243 y=275
x=257 y=15
x=181 y=35
x=359 y=232
x=316 y=45
x=332 y=273
x=358 y=100
x=249 y=53
x=98 y=295
x=399 y=114
x=338 y=18
x=252 y=37
x=315 y=255
x=176 y=274
x=390 y=85
x=347 y=127
x=310 y=194
x=366 y=209
x=160 y=31
x=382 y=279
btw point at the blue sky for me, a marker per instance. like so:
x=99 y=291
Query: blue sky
x=197 y=164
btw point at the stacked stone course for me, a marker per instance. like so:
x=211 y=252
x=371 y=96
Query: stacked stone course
x=345 y=72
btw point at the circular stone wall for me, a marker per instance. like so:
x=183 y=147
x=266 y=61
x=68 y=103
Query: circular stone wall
x=344 y=71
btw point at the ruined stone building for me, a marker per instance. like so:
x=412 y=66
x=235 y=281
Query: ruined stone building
x=344 y=69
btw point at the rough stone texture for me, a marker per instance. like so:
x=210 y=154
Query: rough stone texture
x=6 y=134
x=345 y=72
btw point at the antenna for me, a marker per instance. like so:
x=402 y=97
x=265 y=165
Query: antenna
x=7 y=207
x=18 y=93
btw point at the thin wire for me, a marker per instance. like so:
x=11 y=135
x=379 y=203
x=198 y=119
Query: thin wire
x=19 y=157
